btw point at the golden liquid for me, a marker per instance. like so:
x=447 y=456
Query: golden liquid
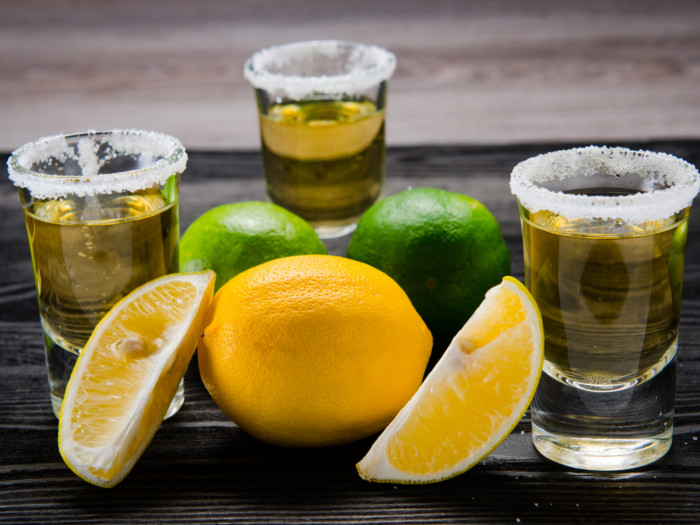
x=324 y=160
x=88 y=253
x=610 y=302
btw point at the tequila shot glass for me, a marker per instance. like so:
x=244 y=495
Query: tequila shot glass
x=101 y=210
x=321 y=107
x=604 y=235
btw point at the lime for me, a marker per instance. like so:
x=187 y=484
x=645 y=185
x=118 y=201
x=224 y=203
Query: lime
x=445 y=249
x=234 y=237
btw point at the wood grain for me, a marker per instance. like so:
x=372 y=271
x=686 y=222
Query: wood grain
x=469 y=72
x=200 y=468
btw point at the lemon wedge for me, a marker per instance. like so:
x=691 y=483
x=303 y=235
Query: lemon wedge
x=473 y=397
x=128 y=373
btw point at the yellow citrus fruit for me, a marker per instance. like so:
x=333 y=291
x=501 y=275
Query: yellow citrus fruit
x=234 y=237
x=128 y=373
x=444 y=249
x=473 y=397
x=312 y=350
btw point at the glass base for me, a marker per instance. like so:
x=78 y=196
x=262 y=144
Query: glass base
x=601 y=454
x=604 y=430
x=331 y=231
x=59 y=365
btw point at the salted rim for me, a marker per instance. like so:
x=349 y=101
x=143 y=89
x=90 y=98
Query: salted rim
x=172 y=159
x=375 y=64
x=603 y=160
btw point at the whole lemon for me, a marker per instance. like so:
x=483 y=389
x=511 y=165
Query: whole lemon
x=234 y=237
x=312 y=350
x=445 y=249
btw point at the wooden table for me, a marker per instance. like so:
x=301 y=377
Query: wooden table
x=200 y=468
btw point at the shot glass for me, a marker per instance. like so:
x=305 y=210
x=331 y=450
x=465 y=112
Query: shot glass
x=604 y=235
x=101 y=210
x=321 y=106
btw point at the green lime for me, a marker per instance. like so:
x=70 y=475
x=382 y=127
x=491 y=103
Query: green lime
x=444 y=249
x=234 y=237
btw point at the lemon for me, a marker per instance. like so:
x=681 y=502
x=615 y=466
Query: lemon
x=444 y=249
x=312 y=350
x=234 y=237
x=473 y=397
x=128 y=373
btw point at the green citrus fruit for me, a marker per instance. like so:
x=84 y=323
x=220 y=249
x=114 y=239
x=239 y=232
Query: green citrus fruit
x=234 y=237
x=445 y=249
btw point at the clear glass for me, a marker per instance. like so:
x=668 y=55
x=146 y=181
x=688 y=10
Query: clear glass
x=605 y=264
x=322 y=106
x=101 y=210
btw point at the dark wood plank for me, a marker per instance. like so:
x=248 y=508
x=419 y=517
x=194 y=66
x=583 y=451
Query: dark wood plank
x=200 y=468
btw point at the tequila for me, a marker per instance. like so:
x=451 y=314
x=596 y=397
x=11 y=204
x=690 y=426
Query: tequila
x=90 y=253
x=324 y=160
x=594 y=289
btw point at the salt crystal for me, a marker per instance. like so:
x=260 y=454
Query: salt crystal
x=82 y=156
x=673 y=184
x=88 y=159
x=275 y=69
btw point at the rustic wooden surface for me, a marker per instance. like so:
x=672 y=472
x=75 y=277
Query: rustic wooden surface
x=469 y=71
x=200 y=468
